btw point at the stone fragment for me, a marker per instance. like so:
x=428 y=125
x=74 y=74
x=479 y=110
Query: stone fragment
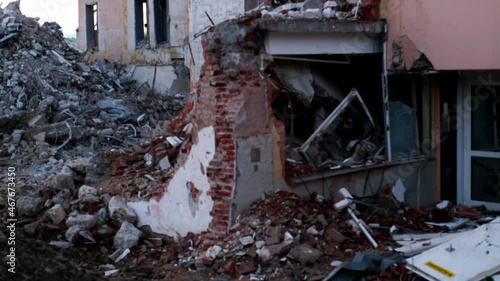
x=312 y=14
x=101 y=216
x=322 y=220
x=213 y=251
x=85 y=190
x=84 y=222
x=83 y=67
x=119 y=211
x=273 y=234
x=246 y=240
x=312 y=230
x=279 y=250
x=127 y=237
x=245 y=268
x=333 y=236
x=105 y=231
x=164 y=163
x=78 y=165
x=56 y=213
x=330 y=4
x=264 y=254
x=252 y=251
x=72 y=234
x=32 y=228
x=230 y=266
x=312 y=4
x=29 y=206
x=38 y=47
x=64 y=179
x=16 y=136
x=61 y=244
x=305 y=254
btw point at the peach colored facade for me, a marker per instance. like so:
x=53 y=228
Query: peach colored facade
x=453 y=34
x=116 y=21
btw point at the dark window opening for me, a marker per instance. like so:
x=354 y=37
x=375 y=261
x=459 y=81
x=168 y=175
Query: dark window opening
x=332 y=110
x=162 y=21
x=92 y=26
x=141 y=21
x=405 y=99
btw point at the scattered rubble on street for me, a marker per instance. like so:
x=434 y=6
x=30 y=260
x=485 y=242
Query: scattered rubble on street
x=281 y=237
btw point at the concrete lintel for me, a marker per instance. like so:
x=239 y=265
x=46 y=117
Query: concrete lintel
x=319 y=25
x=313 y=43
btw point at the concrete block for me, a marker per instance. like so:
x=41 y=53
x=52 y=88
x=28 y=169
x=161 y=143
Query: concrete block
x=312 y=14
x=330 y=4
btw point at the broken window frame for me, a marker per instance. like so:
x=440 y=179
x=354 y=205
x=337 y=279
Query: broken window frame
x=353 y=95
x=92 y=25
x=419 y=89
x=161 y=13
x=141 y=14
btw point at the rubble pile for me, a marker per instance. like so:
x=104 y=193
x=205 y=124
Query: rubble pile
x=55 y=107
x=280 y=237
x=318 y=9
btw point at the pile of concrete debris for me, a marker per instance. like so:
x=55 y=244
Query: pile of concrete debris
x=317 y=9
x=281 y=237
x=54 y=107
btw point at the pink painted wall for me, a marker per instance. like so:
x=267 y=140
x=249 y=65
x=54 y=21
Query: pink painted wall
x=453 y=34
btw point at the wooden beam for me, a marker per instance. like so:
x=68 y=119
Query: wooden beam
x=436 y=131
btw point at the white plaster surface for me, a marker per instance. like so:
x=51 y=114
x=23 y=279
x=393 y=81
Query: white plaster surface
x=176 y=213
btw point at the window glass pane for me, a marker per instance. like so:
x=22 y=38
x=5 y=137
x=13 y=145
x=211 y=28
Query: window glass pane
x=485 y=108
x=485 y=179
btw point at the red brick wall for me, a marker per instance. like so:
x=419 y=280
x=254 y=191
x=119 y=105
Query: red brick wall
x=222 y=91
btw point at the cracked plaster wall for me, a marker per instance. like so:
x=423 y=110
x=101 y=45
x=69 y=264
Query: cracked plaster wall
x=185 y=205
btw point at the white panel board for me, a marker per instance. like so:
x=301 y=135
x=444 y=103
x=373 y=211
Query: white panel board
x=470 y=257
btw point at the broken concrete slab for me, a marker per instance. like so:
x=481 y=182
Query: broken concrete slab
x=127 y=237
x=72 y=234
x=119 y=211
x=32 y=228
x=57 y=213
x=85 y=190
x=29 y=206
x=305 y=254
x=84 y=222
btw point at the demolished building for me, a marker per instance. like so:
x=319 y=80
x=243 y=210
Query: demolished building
x=295 y=98
x=324 y=98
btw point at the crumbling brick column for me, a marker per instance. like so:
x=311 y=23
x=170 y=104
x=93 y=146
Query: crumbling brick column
x=228 y=78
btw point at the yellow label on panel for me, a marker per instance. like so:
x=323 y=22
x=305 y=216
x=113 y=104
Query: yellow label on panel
x=439 y=269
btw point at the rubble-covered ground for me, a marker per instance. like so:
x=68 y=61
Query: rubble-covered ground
x=55 y=107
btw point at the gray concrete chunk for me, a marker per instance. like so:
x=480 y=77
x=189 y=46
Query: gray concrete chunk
x=127 y=237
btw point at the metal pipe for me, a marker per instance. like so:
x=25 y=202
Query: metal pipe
x=362 y=227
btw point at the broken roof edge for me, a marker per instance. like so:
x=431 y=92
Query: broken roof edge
x=320 y=25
